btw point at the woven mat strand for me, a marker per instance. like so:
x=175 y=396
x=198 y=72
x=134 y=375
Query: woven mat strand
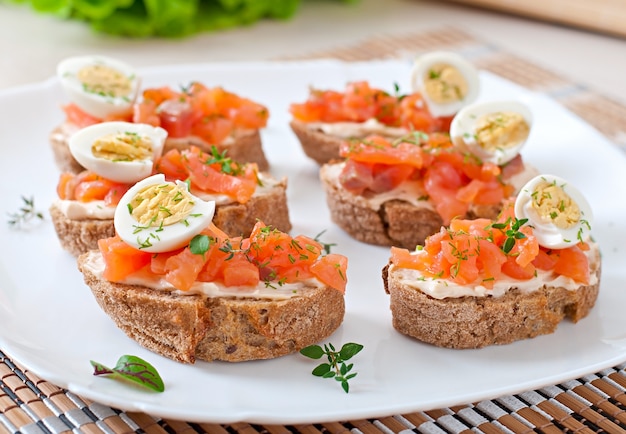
x=592 y=404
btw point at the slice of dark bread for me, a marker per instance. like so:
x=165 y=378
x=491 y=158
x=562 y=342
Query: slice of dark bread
x=194 y=327
x=476 y=322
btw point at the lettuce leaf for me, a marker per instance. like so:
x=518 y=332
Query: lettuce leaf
x=166 y=18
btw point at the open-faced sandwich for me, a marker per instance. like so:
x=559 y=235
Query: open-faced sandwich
x=482 y=282
x=399 y=191
x=116 y=155
x=103 y=89
x=182 y=288
x=442 y=83
x=119 y=154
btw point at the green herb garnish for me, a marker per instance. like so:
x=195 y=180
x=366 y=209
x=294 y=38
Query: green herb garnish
x=326 y=246
x=133 y=369
x=512 y=234
x=25 y=214
x=200 y=244
x=336 y=367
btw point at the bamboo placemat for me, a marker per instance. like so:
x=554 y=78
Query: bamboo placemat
x=593 y=403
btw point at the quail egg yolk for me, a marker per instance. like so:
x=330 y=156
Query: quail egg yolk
x=445 y=84
x=161 y=205
x=553 y=204
x=501 y=130
x=124 y=146
x=104 y=80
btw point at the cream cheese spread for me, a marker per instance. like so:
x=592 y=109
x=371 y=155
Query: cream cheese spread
x=95 y=264
x=357 y=129
x=93 y=210
x=441 y=288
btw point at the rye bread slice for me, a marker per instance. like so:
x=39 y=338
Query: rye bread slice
x=194 y=327
x=476 y=322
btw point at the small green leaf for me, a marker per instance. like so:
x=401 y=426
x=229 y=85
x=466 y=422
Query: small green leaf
x=508 y=245
x=133 y=369
x=345 y=386
x=329 y=374
x=200 y=244
x=349 y=350
x=343 y=369
x=312 y=352
x=322 y=370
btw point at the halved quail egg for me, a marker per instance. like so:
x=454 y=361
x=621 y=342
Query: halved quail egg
x=559 y=213
x=494 y=131
x=446 y=81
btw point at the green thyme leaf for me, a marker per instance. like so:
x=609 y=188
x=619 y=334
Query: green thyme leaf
x=349 y=350
x=312 y=352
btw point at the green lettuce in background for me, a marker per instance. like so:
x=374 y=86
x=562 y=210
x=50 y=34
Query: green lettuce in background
x=166 y=18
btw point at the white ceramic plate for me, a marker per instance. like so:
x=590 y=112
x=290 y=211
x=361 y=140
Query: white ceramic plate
x=50 y=323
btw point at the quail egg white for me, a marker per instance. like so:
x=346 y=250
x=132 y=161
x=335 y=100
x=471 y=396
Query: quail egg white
x=494 y=131
x=558 y=212
x=446 y=81
x=120 y=151
x=156 y=216
x=99 y=85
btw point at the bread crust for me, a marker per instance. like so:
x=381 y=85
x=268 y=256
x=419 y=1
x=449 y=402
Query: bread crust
x=247 y=147
x=63 y=158
x=476 y=322
x=271 y=208
x=317 y=145
x=187 y=328
x=395 y=223
x=80 y=236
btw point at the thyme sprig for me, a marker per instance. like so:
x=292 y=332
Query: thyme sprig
x=326 y=246
x=25 y=214
x=336 y=367
x=512 y=234
x=227 y=165
x=132 y=369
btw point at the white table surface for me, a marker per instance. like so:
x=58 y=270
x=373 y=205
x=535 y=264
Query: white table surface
x=32 y=44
